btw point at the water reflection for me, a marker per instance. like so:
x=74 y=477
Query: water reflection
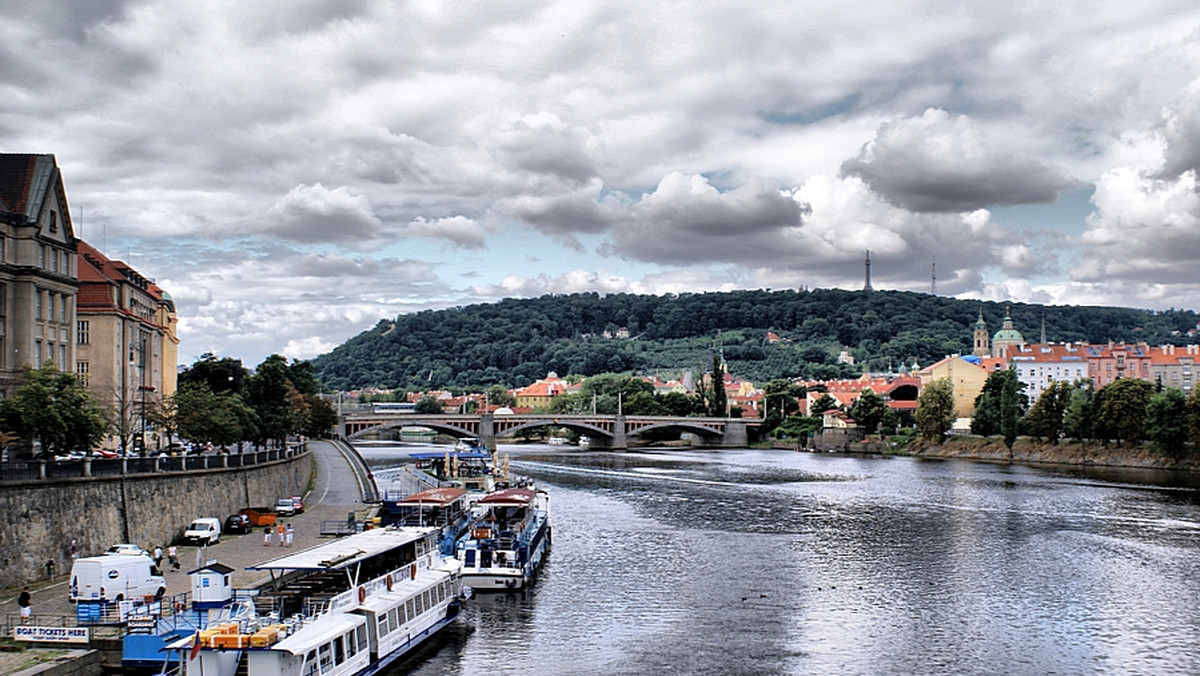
x=774 y=562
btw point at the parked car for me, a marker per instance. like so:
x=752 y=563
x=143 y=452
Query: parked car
x=285 y=507
x=203 y=531
x=115 y=578
x=105 y=453
x=298 y=504
x=238 y=523
x=125 y=549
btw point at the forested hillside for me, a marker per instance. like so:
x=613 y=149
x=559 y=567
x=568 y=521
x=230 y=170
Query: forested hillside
x=514 y=342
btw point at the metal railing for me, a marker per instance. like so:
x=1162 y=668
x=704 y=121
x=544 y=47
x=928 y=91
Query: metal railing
x=42 y=470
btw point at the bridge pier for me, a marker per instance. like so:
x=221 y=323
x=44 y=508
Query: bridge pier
x=735 y=435
x=487 y=431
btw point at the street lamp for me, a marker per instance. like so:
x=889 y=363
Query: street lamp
x=142 y=432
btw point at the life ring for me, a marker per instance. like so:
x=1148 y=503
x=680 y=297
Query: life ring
x=362 y=594
x=389 y=581
x=412 y=571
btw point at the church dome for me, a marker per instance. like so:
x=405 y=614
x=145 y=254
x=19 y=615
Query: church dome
x=1008 y=333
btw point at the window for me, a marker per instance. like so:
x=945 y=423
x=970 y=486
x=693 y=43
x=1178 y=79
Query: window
x=83 y=373
x=50 y=299
x=62 y=310
x=53 y=221
x=37 y=354
x=62 y=356
x=37 y=303
x=42 y=256
x=82 y=334
x=54 y=260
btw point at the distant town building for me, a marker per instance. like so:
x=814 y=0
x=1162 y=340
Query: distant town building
x=38 y=283
x=967 y=375
x=539 y=395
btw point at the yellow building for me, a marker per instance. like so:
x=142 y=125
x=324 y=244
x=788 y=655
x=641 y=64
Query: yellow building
x=967 y=375
x=538 y=396
x=127 y=349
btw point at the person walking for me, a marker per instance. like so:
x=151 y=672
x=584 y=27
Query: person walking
x=281 y=531
x=25 y=601
x=71 y=550
x=158 y=554
x=173 y=557
x=267 y=536
x=291 y=532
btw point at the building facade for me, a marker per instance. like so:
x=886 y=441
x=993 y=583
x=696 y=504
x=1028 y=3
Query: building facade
x=38 y=283
x=127 y=347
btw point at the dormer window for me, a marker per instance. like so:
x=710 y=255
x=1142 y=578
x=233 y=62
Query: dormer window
x=53 y=221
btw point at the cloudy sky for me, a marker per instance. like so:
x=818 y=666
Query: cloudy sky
x=291 y=172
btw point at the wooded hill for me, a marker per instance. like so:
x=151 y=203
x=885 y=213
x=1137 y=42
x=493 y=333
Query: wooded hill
x=516 y=341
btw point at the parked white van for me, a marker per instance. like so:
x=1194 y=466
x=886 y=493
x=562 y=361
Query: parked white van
x=203 y=531
x=116 y=577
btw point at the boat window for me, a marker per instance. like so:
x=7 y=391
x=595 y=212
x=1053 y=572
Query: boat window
x=384 y=627
x=394 y=616
x=401 y=615
x=326 y=657
x=411 y=609
x=310 y=663
x=441 y=593
x=362 y=637
x=351 y=647
x=425 y=598
x=469 y=558
x=420 y=604
x=339 y=651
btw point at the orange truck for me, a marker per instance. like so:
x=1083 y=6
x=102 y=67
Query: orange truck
x=260 y=516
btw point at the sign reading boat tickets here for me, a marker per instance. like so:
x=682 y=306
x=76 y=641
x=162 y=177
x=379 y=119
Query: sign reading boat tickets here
x=51 y=634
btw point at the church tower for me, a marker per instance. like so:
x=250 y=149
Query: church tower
x=982 y=342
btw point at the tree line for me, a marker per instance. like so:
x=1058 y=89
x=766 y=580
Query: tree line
x=1127 y=411
x=218 y=401
x=517 y=341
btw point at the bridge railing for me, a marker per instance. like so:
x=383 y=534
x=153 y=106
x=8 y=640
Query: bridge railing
x=43 y=470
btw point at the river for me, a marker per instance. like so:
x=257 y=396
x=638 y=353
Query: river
x=777 y=562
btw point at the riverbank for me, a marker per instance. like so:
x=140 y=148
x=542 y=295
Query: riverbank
x=1029 y=451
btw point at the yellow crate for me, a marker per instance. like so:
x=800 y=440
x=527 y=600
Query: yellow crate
x=231 y=641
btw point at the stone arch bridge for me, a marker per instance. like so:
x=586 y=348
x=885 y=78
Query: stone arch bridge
x=605 y=431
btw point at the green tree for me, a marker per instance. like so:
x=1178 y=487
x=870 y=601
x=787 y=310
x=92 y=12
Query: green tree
x=823 y=403
x=1046 y=416
x=935 y=410
x=53 y=409
x=1166 y=421
x=221 y=375
x=869 y=410
x=498 y=396
x=993 y=415
x=269 y=393
x=781 y=395
x=1121 y=410
x=204 y=416
x=720 y=401
x=428 y=405
x=1193 y=418
x=1079 y=415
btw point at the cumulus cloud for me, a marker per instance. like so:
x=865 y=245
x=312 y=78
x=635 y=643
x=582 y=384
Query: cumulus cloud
x=938 y=163
x=687 y=219
x=311 y=214
x=463 y=232
x=1144 y=230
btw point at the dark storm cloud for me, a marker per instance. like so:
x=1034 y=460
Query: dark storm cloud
x=935 y=164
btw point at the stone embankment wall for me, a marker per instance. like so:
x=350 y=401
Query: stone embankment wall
x=1028 y=451
x=41 y=518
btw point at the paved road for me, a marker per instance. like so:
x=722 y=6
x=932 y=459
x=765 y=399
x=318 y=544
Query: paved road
x=335 y=493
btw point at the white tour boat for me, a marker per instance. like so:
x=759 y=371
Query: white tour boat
x=507 y=540
x=345 y=608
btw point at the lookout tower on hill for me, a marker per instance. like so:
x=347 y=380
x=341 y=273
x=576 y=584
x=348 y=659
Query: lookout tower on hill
x=867 y=285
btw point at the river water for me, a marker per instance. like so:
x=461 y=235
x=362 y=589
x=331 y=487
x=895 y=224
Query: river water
x=777 y=562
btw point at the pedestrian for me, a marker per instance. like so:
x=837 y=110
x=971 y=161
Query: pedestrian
x=50 y=568
x=267 y=536
x=25 y=600
x=291 y=532
x=173 y=557
x=71 y=549
x=158 y=554
x=281 y=531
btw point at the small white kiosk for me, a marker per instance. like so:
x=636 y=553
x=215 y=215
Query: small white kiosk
x=212 y=586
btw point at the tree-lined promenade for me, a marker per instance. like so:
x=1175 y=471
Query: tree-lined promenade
x=219 y=402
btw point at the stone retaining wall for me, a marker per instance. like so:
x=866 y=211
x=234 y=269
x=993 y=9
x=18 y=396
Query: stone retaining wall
x=41 y=519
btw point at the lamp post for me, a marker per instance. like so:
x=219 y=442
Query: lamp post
x=142 y=432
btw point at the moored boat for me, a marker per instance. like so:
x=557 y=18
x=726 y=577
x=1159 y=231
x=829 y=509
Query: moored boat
x=345 y=608
x=444 y=508
x=506 y=541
